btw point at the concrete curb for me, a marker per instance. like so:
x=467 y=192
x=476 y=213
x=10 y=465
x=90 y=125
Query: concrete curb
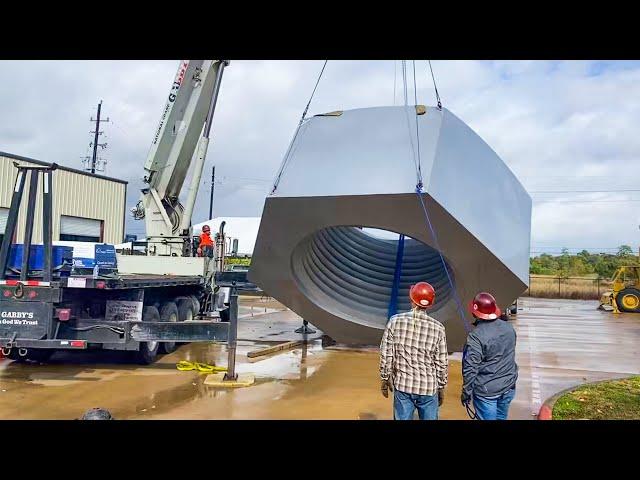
x=546 y=410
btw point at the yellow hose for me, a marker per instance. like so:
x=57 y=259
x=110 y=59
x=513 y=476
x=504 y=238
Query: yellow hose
x=184 y=366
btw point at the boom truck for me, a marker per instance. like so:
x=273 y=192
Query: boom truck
x=148 y=303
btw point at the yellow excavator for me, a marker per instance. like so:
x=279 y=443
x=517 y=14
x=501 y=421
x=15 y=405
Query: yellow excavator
x=625 y=295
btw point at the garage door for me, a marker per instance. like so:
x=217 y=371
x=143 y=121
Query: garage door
x=77 y=229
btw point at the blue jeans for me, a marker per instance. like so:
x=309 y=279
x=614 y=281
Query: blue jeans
x=404 y=405
x=494 y=408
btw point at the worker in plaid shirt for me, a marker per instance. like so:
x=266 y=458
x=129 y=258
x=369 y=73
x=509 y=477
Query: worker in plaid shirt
x=413 y=358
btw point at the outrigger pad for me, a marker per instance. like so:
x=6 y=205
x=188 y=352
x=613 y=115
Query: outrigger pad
x=359 y=169
x=217 y=380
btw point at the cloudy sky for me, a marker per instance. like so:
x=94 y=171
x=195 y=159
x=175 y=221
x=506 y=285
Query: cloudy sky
x=568 y=130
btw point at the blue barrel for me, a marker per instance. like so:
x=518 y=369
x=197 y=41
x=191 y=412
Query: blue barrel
x=36 y=260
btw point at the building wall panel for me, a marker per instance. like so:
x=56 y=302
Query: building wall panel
x=74 y=194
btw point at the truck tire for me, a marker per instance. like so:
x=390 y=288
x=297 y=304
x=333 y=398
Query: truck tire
x=196 y=305
x=628 y=300
x=148 y=351
x=168 y=313
x=186 y=309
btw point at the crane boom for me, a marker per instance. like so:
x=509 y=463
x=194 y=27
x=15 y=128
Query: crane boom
x=183 y=131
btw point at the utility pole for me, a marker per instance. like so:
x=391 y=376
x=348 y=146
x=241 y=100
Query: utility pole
x=213 y=180
x=92 y=162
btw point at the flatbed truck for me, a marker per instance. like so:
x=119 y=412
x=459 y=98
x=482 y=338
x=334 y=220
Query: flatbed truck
x=163 y=298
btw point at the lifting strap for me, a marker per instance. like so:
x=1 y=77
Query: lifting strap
x=419 y=193
x=393 y=303
x=435 y=87
x=302 y=119
x=444 y=264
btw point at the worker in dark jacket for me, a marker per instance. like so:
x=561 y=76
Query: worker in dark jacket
x=489 y=369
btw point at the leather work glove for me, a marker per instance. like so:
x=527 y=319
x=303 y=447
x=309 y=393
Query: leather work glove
x=440 y=396
x=385 y=386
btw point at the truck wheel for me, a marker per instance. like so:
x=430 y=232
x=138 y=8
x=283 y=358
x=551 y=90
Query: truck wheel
x=186 y=311
x=196 y=305
x=168 y=313
x=148 y=351
x=628 y=300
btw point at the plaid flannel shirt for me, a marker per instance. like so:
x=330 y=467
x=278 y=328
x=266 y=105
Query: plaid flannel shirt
x=413 y=352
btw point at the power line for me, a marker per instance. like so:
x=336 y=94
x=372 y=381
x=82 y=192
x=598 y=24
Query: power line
x=266 y=180
x=540 y=200
x=586 y=191
x=569 y=176
x=539 y=247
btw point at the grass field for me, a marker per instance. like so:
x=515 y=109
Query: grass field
x=541 y=286
x=583 y=288
x=613 y=400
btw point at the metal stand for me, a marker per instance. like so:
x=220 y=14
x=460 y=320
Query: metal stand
x=304 y=329
x=12 y=220
x=232 y=342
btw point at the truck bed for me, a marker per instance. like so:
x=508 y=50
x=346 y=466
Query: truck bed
x=123 y=281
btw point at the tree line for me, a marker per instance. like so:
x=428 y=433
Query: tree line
x=583 y=263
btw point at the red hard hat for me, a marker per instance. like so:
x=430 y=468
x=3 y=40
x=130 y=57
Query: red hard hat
x=484 y=306
x=422 y=295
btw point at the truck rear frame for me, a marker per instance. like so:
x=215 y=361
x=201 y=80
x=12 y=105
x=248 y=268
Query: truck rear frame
x=40 y=313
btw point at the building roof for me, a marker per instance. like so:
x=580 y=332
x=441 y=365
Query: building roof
x=61 y=167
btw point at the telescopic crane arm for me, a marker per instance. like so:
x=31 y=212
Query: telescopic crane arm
x=182 y=138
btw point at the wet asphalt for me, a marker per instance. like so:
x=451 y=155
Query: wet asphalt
x=561 y=343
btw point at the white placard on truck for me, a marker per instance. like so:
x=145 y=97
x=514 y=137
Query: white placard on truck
x=123 y=310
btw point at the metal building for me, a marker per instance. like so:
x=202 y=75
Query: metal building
x=86 y=207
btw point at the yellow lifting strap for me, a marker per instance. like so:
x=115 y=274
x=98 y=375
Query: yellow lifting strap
x=185 y=366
